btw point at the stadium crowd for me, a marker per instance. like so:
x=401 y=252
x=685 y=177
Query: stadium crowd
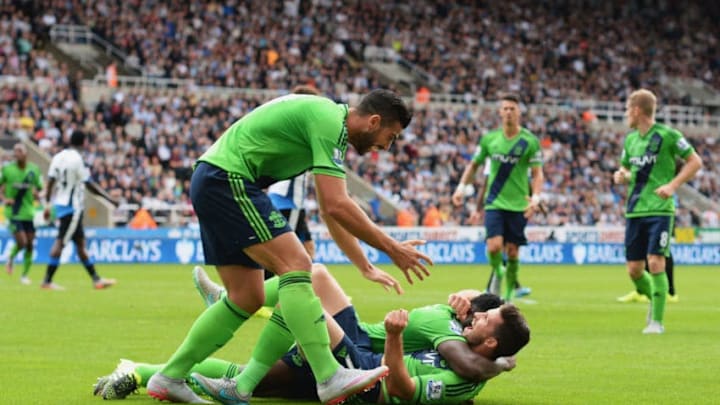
x=541 y=49
x=143 y=144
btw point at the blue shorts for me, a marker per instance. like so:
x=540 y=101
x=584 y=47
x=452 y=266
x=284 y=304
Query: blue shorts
x=352 y=352
x=17 y=225
x=508 y=224
x=647 y=236
x=233 y=214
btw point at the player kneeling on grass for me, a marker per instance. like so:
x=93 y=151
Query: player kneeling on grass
x=486 y=333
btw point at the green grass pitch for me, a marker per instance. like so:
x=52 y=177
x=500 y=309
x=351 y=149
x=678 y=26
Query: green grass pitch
x=585 y=347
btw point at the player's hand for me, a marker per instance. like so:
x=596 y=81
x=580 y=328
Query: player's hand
x=9 y=201
x=620 y=177
x=386 y=280
x=665 y=191
x=460 y=305
x=46 y=213
x=396 y=321
x=457 y=197
x=533 y=206
x=410 y=260
x=476 y=217
x=506 y=363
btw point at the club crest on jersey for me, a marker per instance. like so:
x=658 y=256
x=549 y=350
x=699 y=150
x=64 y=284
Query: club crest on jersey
x=456 y=327
x=434 y=390
x=277 y=219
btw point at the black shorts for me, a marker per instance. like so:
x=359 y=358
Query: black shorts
x=233 y=213
x=354 y=351
x=508 y=224
x=301 y=227
x=648 y=236
x=17 y=225
x=71 y=228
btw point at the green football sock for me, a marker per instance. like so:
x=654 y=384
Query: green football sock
x=210 y=367
x=271 y=291
x=13 y=252
x=275 y=340
x=27 y=262
x=496 y=263
x=305 y=319
x=659 y=296
x=643 y=285
x=212 y=329
x=513 y=266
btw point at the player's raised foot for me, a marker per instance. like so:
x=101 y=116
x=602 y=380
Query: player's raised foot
x=223 y=390
x=673 y=298
x=52 y=286
x=633 y=296
x=25 y=280
x=263 y=313
x=104 y=283
x=654 y=328
x=209 y=290
x=164 y=388
x=348 y=382
x=522 y=292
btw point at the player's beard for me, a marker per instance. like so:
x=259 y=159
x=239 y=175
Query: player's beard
x=364 y=141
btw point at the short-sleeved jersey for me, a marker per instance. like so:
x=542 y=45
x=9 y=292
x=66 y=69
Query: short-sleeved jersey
x=288 y=194
x=70 y=174
x=427 y=327
x=435 y=382
x=284 y=138
x=651 y=160
x=508 y=184
x=20 y=184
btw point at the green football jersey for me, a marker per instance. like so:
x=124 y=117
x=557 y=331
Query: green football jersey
x=427 y=327
x=20 y=185
x=435 y=382
x=651 y=161
x=508 y=184
x=284 y=138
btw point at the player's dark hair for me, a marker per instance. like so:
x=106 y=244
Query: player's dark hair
x=387 y=105
x=513 y=334
x=306 y=89
x=77 y=138
x=512 y=97
x=485 y=302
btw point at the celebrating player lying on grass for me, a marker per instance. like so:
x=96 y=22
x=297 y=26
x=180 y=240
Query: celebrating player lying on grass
x=488 y=331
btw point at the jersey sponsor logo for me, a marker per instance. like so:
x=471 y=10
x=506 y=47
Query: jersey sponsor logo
x=643 y=160
x=505 y=158
x=434 y=390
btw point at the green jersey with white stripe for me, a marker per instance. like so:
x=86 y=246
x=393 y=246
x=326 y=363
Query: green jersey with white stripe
x=650 y=157
x=283 y=138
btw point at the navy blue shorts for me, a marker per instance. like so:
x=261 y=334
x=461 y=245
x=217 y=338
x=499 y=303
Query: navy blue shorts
x=233 y=214
x=647 y=236
x=17 y=225
x=508 y=224
x=352 y=352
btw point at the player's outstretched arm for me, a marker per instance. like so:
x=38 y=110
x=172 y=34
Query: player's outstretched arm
x=97 y=190
x=335 y=203
x=398 y=383
x=468 y=364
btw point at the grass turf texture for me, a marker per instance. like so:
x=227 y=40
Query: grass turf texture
x=585 y=347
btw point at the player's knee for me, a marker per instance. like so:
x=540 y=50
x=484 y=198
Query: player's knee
x=319 y=272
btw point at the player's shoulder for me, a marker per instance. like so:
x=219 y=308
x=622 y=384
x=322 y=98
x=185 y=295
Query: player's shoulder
x=667 y=129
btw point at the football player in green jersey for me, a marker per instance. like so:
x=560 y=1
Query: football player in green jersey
x=513 y=152
x=647 y=166
x=22 y=181
x=242 y=233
